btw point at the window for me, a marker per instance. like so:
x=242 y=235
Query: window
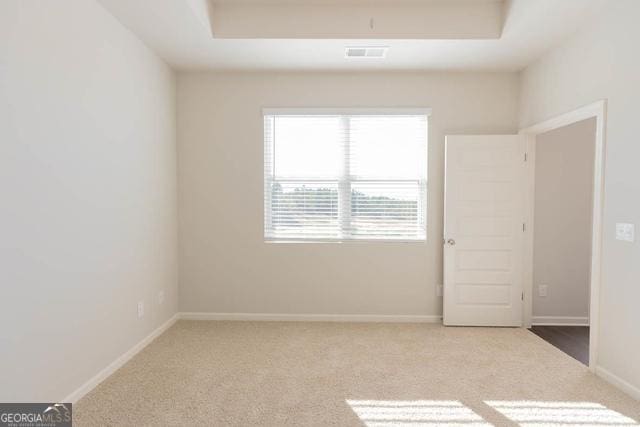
x=345 y=175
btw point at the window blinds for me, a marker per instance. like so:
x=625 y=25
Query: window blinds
x=331 y=176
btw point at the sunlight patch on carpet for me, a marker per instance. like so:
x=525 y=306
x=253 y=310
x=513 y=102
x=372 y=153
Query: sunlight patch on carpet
x=555 y=414
x=413 y=413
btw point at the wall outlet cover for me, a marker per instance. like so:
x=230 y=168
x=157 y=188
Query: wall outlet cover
x=140 y=309
x=543 y=290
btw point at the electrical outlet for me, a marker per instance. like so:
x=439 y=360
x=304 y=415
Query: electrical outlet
x=625 y=232
x=160 y=297
x=542 y=290
x=439 y=290
x=140 y=309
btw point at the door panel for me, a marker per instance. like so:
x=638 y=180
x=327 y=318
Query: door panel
x=483 y=232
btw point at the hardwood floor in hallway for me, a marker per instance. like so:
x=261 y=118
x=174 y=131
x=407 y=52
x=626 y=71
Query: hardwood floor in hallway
x=573 y=340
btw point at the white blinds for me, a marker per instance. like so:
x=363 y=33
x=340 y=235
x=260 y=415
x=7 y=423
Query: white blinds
x=332 y=176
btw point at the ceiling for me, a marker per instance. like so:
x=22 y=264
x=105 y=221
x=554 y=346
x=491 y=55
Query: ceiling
x=292 y=35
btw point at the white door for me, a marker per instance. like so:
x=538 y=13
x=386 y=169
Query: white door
x=483 y=230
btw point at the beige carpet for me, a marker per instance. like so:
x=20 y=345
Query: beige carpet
x=352 y=374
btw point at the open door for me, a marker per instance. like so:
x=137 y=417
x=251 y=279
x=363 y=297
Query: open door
x=483 y=230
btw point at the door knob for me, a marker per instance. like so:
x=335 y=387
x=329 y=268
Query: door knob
x=451 y=242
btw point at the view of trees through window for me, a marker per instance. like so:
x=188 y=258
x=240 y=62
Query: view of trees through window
x=298 y=206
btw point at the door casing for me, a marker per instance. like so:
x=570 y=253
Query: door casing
x=598 y=111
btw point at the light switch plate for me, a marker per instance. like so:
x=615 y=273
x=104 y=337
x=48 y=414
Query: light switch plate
x=625 y=232
x=140 y=309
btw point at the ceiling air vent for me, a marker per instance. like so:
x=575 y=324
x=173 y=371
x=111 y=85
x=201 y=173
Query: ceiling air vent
x=366 y=52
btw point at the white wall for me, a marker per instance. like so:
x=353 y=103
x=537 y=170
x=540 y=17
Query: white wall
x=88 y=193
x=562 y=232
x=602 y=61
x=226 y=267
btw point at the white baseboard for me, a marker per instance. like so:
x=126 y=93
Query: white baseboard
x=277 y=317
x=559 y=321
x=618 y=382
x=119 y=362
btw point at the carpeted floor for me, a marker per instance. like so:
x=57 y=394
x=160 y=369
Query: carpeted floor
x=201 y=373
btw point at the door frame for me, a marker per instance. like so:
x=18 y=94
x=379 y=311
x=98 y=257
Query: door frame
x=597 y=110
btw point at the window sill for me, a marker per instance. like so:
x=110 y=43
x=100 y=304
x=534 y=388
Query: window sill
x=345 y=241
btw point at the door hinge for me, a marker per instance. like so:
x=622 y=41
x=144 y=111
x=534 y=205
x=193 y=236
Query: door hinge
x=525 y=157
x=524 y=227
x=523 y=296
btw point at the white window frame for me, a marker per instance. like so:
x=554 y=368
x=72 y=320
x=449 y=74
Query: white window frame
x=344 y=193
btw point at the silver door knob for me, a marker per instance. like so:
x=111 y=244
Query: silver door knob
x=451 y=242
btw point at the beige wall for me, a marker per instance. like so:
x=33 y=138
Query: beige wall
x=602 y=62
x=226 y=267
x=88 y=185
x=562 y=232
